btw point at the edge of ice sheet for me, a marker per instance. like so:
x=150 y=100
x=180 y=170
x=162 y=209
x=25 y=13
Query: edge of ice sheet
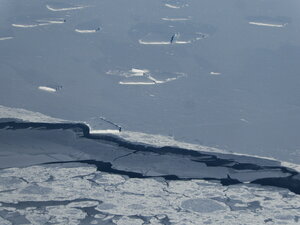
x=130 y=136
x=267 y=24
x=26 y=115
x=108 y=131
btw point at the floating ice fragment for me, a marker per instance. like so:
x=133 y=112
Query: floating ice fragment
x=244 y=120
x=162 y=42
x=86 y=31
x=45 y=88
x=64 y=9
x=215 y=73
x=5 y=38
x=268 y=24
x=175 y=19
x=52 y=21
x=39 y=23
x=136 y=83
x=172 y=6
x=27 y=25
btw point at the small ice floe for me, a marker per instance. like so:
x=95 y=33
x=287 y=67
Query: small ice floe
x=176 y=38
x=268 y=24
x=154 y=42
x=50 y=89
x=144 y=77
x=88 y=27
x=140 y=79
x=52 y=21
x=87 y=31
x=56 y=9
x=131 y=73
x=163 y=42
x=29 y=25
x=175 y=19
x=40 y=22
x=5 y=38
x=215 y=73
x=244 y=120
x=136 y=83
x=172 y=6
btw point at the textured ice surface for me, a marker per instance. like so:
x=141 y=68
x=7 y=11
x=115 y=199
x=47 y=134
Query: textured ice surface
x=79 y=194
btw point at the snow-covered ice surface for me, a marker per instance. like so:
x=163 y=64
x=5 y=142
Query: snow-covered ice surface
x=79 y=194
x=158 y=112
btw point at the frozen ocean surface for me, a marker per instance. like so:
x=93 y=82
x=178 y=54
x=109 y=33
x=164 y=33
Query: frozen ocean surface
x=158 y=112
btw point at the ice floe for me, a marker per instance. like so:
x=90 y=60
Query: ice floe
x=57 y=9
x=5 y=38
x=76 y=194
x=39 y=22
x=48 y=89
x=29 y=25
x=267 y=24
x=145 y=77
x=86 y=31
x=215 y=73
x=175 y=19
x=172 y=6
x=163 y=42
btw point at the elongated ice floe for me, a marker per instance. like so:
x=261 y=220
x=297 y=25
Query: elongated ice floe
x=52 y=21
x=64 y=9
x=267 y=24
x=163 y=42
x=45 y=88
x=26 y=25
x=215 y=73
x=175 y=19
x=5 y=38
x=172 y=6
x=136 y=83
x=86 y=31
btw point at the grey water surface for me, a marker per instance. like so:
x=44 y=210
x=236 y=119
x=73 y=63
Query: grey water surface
x=230 y=80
